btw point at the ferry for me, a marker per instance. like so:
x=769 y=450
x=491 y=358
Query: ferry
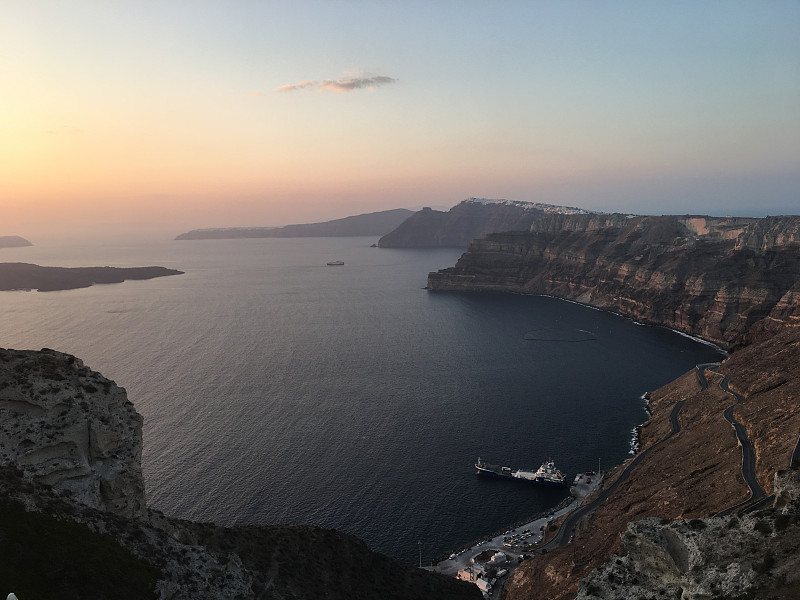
x=547 y=474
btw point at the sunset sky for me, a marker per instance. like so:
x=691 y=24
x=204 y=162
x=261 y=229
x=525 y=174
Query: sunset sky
x=144 y=116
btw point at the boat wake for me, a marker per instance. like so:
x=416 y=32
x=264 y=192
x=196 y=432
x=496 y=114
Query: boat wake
x=560 y=335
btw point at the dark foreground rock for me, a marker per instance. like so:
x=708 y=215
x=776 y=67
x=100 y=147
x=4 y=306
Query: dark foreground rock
x=73 y=523
x=24 y=276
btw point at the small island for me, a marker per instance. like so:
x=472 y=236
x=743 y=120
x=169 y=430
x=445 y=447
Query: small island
x=13 y=241
x=24 y=276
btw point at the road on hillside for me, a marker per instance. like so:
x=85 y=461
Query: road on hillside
x=567 y=528
x=700 y=370
x=757 y=493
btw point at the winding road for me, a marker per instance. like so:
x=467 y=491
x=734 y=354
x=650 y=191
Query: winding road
x=758 y=498
x=795 y=462
x=567 y=528
x=757 y=492
x=700 y=371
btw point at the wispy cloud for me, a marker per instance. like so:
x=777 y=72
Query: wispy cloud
x=290 y=87
x=339 y=86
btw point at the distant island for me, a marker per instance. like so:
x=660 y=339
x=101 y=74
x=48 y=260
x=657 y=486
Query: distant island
x=376 y=223
x=24 y=276
x=13 y=241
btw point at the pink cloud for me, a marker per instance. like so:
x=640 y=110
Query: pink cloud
x=290 y=87
x=339 y=86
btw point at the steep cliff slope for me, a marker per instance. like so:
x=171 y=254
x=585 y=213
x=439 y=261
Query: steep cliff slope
x=472 y=218
x=706 y=276
x=693 y=474
x=71 y=482
x=749 y=556
x=71 y=428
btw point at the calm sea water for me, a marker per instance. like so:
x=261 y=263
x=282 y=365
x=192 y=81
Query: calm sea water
x=276 y=389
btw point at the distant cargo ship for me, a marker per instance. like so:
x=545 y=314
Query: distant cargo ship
x=547 y=474
x=335 y=263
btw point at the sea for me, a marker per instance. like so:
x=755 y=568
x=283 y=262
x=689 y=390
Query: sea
x=278 y=390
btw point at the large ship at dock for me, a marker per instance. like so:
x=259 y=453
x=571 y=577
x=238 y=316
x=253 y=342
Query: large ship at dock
x=547 y=474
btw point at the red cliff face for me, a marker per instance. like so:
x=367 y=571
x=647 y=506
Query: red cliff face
x=711 y=277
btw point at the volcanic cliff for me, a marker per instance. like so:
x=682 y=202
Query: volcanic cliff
x=713 y=277
x=73 y=519
x=470 y=219
x=735 y=281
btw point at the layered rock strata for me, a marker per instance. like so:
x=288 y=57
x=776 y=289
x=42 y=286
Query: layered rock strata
x=69 y=427
x=710 y=277
x=70 y=448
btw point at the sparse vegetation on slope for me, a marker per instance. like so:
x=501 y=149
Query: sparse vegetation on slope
x=42 y=556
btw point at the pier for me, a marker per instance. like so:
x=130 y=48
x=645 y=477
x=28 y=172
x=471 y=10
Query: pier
x=517 y=543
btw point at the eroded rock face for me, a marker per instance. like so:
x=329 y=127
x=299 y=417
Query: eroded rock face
x=728 y=557
x=69 y=427
x=710 y=277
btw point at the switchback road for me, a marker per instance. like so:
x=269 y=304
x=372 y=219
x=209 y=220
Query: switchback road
x=567 y=528
x=757 y=492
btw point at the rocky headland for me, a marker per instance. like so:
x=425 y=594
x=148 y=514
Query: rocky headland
x=725 y=279
x=736 y=282
x=377 y=223
x=74 y=523
x=24 y=276
x=13 y=241
x=470 y=219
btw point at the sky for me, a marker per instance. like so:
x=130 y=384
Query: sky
x=145 y=116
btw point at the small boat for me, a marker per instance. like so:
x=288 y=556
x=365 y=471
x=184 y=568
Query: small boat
x=335 y=263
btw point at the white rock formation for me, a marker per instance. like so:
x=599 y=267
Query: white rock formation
x=69 y=427
x=742 y=556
